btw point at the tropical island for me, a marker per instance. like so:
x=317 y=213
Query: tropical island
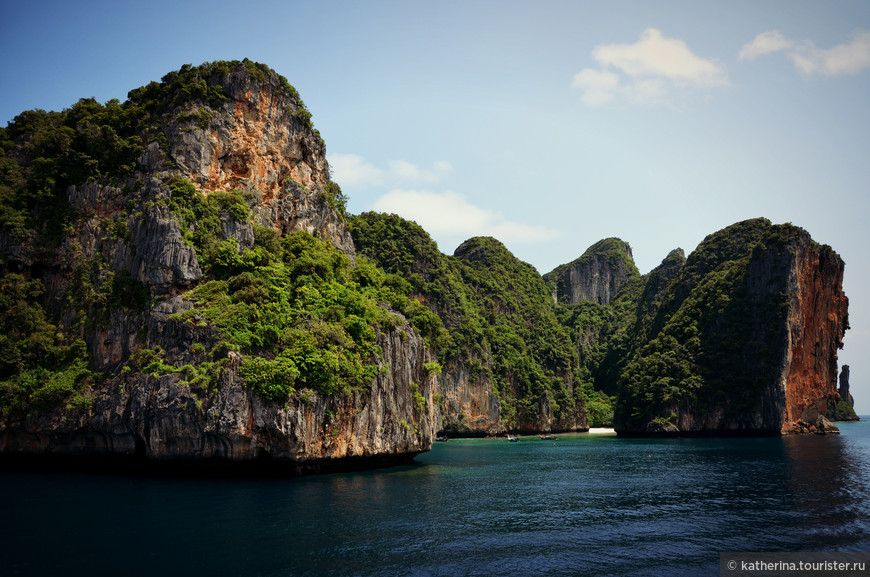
x=181 y=280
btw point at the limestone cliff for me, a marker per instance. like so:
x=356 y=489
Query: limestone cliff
x=818 y=319
x=506 y=363
x=258 y=141
x=162 y=418
x=180 y=282
x=596 y=276
x=201 y=182
x=745 y=340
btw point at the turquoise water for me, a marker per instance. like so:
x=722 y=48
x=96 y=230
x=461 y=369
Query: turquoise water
x=586 y=505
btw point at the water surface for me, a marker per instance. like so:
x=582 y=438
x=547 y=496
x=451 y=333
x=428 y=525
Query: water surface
x=582 y=505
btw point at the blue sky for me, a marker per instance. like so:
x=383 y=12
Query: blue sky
x=549 y=125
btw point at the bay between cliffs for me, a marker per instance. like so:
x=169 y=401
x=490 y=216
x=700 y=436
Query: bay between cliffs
x=584 y=504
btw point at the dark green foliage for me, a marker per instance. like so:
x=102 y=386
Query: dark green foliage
x=299 y=313
x=199 y=219
x=713 y=337
x=203 y=85
x=42 y=153
x=841 y=410
x=399 y=246
x=40 y=367
x=336 y=199
x=599 y=407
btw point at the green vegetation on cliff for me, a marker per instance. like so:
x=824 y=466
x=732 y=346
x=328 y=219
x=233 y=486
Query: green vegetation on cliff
x=40 y=366
x=296 y=290
x=496 y=311
x=291 y=306
x=712 y=338
x=702 y=332
x=42 y=153
x=295 y=308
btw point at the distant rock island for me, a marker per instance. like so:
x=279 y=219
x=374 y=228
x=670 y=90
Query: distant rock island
x=181 y=282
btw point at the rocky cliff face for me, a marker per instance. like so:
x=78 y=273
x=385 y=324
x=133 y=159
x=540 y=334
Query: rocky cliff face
x=746 y=340
x=596 y=276
x=162 y=418
x=258 y=142
x=237 y=131
x=470 y=406
x=506 y=363
x=818 y=319
x=506 y=380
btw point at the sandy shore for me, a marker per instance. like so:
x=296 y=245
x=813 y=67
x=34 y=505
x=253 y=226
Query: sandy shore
x=601 y=431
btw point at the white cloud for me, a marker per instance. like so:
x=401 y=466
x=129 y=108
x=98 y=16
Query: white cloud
x=407 y=172
x=765 y=43
x=353 y=170
x=656 y=56
x=450 y=214
x=847 y=58
x=444 y=214
x=647 y=71
x=598 y=86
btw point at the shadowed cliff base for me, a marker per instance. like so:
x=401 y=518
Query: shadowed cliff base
x=195 y=468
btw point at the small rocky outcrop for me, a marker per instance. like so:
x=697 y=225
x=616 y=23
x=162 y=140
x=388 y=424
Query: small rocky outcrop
x=842 y=408
x=596 y=276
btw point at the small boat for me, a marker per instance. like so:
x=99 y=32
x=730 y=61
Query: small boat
x=548 y=437
x=442 y=438
x=513 y=439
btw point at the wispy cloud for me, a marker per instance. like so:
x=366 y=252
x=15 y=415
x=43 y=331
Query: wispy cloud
x=444 y=214
x=847 y=58
x=354 y=170
x=765 y=43
x=405 y=171
x=646 y=72
x=451 y=214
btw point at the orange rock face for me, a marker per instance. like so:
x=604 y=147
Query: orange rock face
x=260 y=141
x=818 y=321
x=260 y=146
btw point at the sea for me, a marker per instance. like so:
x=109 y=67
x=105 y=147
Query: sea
x=582 y=504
